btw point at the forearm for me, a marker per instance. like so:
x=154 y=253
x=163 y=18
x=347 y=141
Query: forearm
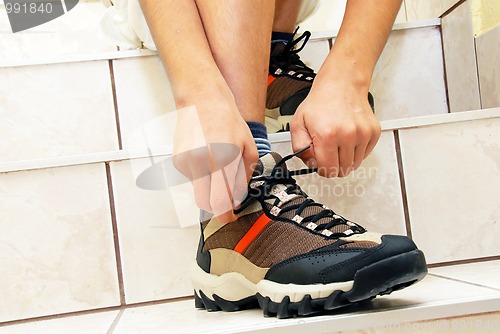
x=361 y=39
x=183 y=47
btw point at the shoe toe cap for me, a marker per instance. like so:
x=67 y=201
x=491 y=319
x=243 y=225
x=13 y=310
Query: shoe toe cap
x=328 y=265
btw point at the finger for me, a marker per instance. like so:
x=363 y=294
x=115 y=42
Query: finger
x=250 y=158
x=301 y=139
x=346 y=159
x=240 y=189
x=201 y=188
x=373 y=140
x=371 y=145
x=236 y=181
x=220 y=199
x=327 y=157
x=359 y=155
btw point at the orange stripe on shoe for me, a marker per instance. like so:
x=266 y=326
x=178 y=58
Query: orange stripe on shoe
x=270 y=79
x=252 y=233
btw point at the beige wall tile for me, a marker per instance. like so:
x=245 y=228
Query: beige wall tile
x=156 y=253
x=56 y=244
x=329 y=14
x=370 y=196
x=315 y=53
x=144 y=100
x=488 y=63
x=427 y=9
x=460 y=60
x=452 y=172
x=56 y=110
x=78 y=31
x=409 y=80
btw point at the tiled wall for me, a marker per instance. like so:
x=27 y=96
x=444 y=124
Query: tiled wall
x=75 y=32
x=85 y=237
x=56 y=242
x=471 y=62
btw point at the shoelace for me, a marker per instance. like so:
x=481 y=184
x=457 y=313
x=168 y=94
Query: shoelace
x=261 y=189
x=289 y=57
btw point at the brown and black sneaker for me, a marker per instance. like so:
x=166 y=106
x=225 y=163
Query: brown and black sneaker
x=289 y=82
x=292 y=256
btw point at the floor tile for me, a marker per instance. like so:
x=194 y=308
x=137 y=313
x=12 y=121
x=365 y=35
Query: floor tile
x=82 y=324
x=460 y=59
x=487 y=323
x=427 y=9
x=452 y=172
x=399 y=90
x=56 y=245
x=425 y=300
x=78 y=31
x=56 y=110
x=156 y=252
x=488 y=62
x=144 y=100
x=482 y=273
x=370 y=196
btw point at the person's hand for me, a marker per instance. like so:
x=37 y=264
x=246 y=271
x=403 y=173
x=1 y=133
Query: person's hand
x=338 y=122
x=215 y=149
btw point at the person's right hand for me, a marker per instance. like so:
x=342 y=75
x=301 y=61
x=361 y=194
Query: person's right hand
x=214 y=148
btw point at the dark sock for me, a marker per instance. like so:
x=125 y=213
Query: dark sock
x=284 y=37
x=259 y=133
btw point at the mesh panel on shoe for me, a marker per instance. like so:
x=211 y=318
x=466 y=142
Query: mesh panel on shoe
x=229 y=235
x=281 y=89
x=279 y=241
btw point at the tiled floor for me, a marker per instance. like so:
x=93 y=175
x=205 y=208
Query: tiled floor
x=446 y=293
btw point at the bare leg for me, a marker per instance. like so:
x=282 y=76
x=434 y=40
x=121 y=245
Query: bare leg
x=285 y=15
x=239 y=35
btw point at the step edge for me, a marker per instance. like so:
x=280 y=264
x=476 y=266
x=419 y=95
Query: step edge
x=275 y=138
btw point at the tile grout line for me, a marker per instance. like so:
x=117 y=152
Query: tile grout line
x=452 y=8
x=465 y=261
x=115 y=235
x=442 y=16
x=477 y=72
x=462 y=281
x=402 y=183
x=115 y=104
x=445 y=73
x=94 y=311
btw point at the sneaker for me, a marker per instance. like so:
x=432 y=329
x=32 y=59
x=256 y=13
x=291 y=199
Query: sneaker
x=292 y=256
x=288 y=84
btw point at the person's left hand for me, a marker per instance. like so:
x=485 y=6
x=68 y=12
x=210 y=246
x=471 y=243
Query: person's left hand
x=338 y=122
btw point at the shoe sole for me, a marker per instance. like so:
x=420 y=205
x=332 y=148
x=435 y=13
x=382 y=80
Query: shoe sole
x=232 y=291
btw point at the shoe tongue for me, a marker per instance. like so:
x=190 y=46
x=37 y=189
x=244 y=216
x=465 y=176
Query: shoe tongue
x=264 y=168
x=278 y=48
x=267 y=163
